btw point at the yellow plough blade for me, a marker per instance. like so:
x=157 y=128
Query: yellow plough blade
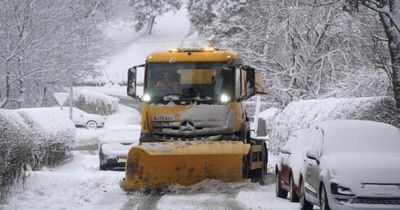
x=158 y=165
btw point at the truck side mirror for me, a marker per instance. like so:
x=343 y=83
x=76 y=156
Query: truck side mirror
x=131 y=88
x=251 y=81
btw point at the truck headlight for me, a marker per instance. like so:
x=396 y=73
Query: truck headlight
x=225 y=98
x=146 y=97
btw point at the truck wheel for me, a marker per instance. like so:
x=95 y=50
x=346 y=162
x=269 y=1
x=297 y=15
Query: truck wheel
x=245 y=167
x=258 y=175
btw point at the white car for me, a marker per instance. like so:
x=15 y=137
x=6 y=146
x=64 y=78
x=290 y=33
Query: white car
x=115 y=144
x=81 y=118
x=353 y=164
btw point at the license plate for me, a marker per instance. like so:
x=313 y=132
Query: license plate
x=121 y=160
x=164 y=118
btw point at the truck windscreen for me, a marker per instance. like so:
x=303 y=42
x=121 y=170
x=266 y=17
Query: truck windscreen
x=202 y=82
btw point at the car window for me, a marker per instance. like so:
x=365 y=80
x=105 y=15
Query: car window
x=78 y=111
x=316 y=140
x=290 y=144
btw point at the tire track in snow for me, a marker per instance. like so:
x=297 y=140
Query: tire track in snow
x=231 y=203
x=149 y=203
x=142 y=202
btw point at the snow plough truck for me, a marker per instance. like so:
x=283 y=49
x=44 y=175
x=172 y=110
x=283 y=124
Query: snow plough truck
x=194 y=123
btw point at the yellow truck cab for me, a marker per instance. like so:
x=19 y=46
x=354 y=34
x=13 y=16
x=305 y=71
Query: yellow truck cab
x=192 y=106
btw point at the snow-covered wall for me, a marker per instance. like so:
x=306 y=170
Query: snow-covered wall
x=31 y=139
x=304 y=113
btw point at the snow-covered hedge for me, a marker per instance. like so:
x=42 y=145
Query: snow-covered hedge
x=95 y=102
x=15 y=151
x=303 y=114
x=31 y=139
x=54 y=134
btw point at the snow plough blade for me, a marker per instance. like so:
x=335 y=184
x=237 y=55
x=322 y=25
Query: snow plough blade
x=152 y=166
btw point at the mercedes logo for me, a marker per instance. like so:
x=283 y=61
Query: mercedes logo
x=187 y=126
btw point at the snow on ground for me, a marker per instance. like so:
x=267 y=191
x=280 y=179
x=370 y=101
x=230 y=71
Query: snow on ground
x=76 y=185
x=79 y=185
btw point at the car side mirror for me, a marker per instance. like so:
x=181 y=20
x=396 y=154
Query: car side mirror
x=313 y=155
x=285 y=150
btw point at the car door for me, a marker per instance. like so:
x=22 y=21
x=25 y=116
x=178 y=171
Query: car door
x=284 y=162
x=313 y=167
x=79 y=117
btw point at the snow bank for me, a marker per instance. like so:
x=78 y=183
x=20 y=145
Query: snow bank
x=304 y=113
x=31 y=138
x=95 y=102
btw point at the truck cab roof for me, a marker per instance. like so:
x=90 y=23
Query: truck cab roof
x=192 y=55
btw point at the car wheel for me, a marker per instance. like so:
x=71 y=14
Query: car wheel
x=101 y=157
x=103 y=167
x=293 y=197
x=304 y=204
x=91 y=125
x=323 y=199
x=281 y=193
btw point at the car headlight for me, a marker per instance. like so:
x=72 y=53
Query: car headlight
x=340 y=190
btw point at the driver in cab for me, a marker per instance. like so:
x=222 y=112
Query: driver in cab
x=169 y=82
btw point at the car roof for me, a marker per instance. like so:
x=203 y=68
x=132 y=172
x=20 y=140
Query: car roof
x=337 y=125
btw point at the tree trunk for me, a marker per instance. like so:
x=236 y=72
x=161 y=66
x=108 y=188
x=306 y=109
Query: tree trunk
x=393 y=36
x=44 y=96
x=20 y=99
x=150 y=24
x=8 y=88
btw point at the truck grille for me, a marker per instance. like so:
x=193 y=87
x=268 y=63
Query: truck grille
x=187 y=138
x=189 y=128
x=369 y=200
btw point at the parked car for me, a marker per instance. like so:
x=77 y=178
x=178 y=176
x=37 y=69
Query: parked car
x=289 y=165
x=353 y=165
x=81 y=118
x=114 y=146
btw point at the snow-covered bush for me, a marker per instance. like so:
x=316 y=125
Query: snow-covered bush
x=15 y=151
x=305 y=113
x=95 y=102
x=31 y=139
x=54 y=134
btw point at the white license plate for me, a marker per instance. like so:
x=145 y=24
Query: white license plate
x=164 y=118
x=121 y=160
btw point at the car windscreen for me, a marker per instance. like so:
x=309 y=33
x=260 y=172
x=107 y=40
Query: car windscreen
x=179 y=81
x=378 y=139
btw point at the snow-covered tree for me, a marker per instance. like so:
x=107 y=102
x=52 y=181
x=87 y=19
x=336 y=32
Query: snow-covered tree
x=389 y=14
x=145 y=11
x=304 y=49
x=48 y=43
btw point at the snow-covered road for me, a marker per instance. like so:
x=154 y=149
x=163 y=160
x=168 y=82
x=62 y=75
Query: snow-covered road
x=79 y=184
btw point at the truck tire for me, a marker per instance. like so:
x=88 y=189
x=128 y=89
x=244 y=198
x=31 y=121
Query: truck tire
x=258 y=175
